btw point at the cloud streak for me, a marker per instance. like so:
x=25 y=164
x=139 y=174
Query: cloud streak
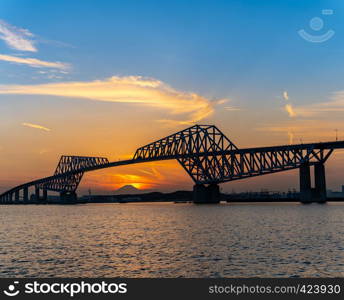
x=290 y=110
x=33 y=62
x=190 y=107
x=36 y=126
x=306 y=130
x=335 y=104
x=285 y=95
x=231 y=108
x=16 y=38
x=290 y=137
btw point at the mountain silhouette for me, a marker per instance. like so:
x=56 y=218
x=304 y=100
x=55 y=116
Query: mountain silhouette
x=128 y=189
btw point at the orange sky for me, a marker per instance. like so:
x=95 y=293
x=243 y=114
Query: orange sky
x=105 y=80
x=88 y=128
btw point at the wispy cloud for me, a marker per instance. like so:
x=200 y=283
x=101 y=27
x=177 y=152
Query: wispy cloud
x=36 y=126
x=335 y=104
x=16 y=38
x=285 y=95
x=54 y=43
x=288 y=107
x=190 y=107
x=43 y=151
x=33 y=62
x=231 y=108
x=290 y=136
x=290 y=110
x=311 y=122
x=22 y=40
x=306 y=130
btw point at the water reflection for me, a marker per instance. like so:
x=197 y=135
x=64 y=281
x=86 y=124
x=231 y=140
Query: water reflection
x=172 y=240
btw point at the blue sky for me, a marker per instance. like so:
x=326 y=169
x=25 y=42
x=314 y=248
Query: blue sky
x=248 y=52
x=197 y=45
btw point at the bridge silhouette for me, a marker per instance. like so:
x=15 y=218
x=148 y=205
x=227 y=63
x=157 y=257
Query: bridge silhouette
x=206 y=154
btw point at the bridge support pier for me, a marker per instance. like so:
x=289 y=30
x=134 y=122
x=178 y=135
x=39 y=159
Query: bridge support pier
x=26 y=194
x=318 y=193
x=16 y=196
x=45 y=195
x=202 y=194
x=305 y=184
x=37 y=194
x=68 y=197
x=320 y=182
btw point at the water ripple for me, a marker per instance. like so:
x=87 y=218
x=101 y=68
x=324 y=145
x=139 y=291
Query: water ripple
x=169 y=240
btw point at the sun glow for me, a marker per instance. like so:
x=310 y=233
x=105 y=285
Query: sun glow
x=167 y=175
x=140 y=186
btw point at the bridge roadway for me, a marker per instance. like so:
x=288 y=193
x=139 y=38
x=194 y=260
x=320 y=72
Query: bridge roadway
x=209 y=167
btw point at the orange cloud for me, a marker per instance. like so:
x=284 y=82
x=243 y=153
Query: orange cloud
x=133 y=89
x=290 y=110
x=36 y=126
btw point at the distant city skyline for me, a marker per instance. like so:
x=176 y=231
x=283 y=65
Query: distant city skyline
x=104 y=78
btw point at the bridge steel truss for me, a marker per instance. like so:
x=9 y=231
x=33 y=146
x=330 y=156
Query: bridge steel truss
x=74 y=166
x=205 y=153
x=208 y=156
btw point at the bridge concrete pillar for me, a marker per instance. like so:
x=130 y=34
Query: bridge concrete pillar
x=320 y=183
x=68 y=197
x=45 y=195
x=16 y=197
x=202 y=194
x=37 y=194
x=199 y=193
x=26 y=194
x=305 y=184
x=214 y=193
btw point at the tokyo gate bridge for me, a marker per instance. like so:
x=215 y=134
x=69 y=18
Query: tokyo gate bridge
x=206 y=154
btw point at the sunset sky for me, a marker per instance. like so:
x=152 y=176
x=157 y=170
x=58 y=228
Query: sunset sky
x=102 y=78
